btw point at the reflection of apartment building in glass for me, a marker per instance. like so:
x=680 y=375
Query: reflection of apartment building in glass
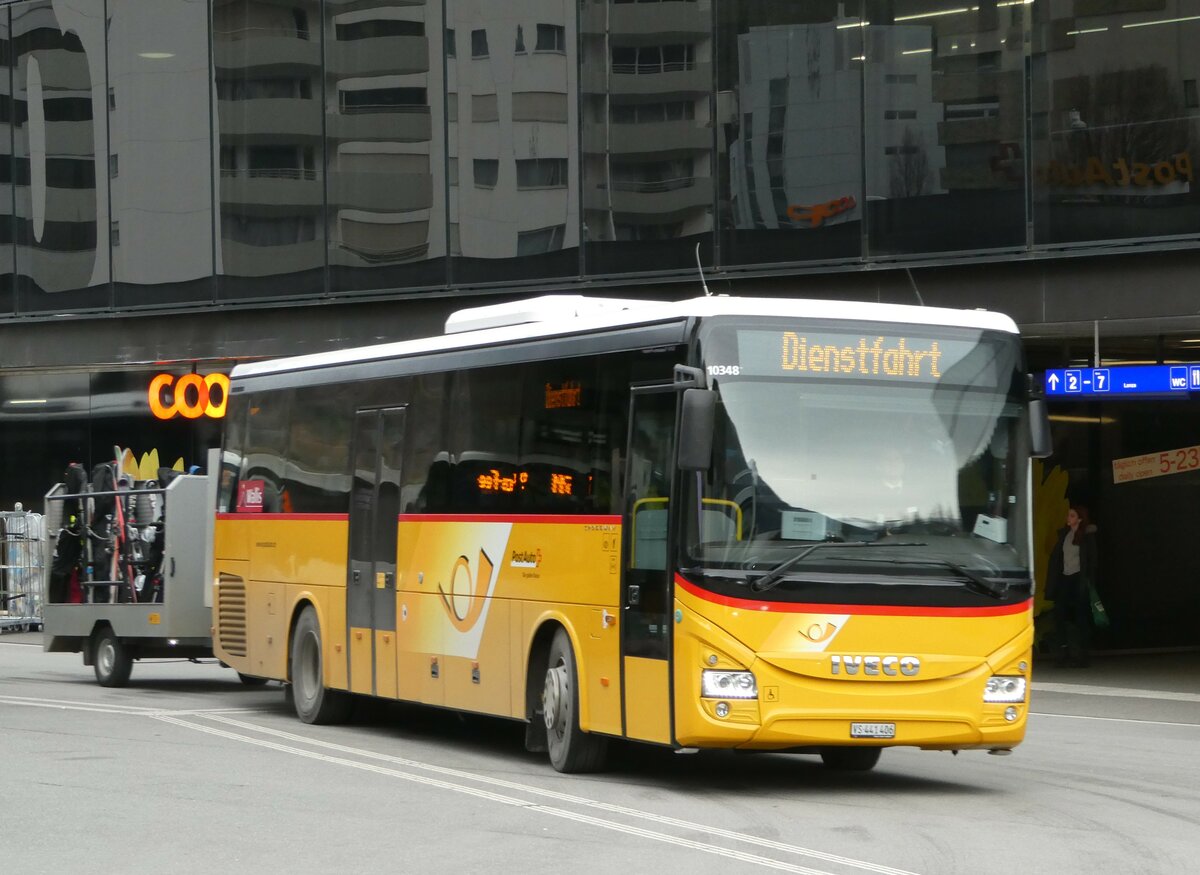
x=648 y=138
x=382 y=137
x=267 y=60
x=54 y=117
x=1115 y=125
x=511 y=83
x=158 y=95
x=979 y=83
x=798 y=160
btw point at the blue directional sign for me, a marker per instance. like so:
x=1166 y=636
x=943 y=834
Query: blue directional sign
x=1129 y=380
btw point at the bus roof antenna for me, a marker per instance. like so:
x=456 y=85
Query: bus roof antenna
x=913 y=283
x=700 y=268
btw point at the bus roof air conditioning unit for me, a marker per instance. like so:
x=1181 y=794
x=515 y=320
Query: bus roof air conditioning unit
x=548 y=308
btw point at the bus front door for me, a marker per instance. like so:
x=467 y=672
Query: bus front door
x=646 y=577
x=371 y=566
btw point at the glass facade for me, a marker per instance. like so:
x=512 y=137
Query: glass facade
x=180 y=153
x=50 y=420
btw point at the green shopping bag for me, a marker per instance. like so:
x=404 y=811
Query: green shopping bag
x=1099 y=614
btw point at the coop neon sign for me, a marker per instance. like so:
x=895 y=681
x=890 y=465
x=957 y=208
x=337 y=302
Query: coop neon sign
x=190 y=396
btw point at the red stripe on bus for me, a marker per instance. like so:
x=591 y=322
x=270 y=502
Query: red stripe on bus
x=567 y=519
x=869 y=610
x=283 y=516
x=552 y=518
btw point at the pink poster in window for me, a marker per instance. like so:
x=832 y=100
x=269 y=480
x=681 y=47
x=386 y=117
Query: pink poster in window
x=250 y=496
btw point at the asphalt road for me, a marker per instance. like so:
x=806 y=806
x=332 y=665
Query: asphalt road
x=186 y=770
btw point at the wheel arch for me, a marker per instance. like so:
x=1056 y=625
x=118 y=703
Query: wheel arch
x=89 y=646
x=304 y=601
x=537 y=653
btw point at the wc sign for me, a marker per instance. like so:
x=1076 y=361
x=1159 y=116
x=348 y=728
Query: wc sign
x=1186 y=378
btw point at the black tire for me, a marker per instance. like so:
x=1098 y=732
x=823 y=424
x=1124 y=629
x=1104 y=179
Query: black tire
x=851 y=759
x=313 y=702
x=250 y=680
x=571 y=749
x=111 y=660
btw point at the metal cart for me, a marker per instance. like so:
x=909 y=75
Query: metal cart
x=22 y=559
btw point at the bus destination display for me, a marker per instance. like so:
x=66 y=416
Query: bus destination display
x=865 y=356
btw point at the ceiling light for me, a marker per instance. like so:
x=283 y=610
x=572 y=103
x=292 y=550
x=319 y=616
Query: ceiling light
x=1161 y=21
x=156 y=56
x=15 y=401
x=1087 y=420
x=932 y=14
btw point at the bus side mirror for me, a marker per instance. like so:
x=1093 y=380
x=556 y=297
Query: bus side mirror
x=698 y=413
x=1041 y=444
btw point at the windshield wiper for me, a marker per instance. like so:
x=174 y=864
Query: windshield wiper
x=974 y=581
x=772 y=577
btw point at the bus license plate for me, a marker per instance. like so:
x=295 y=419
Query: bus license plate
x=872 y=730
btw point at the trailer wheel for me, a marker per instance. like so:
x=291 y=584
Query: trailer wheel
x=571 y=749
x=314 y=703
x=111 y=660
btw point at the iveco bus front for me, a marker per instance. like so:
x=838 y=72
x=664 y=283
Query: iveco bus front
x=854 y=555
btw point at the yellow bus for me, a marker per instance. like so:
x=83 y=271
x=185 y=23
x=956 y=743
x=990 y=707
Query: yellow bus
x=777 y=525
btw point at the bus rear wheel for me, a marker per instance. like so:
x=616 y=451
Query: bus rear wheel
x=851 y=759
x=314 y=703
x=571 y=749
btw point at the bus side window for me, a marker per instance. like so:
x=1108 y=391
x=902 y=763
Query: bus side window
x=263 y=462
x=231 y=454
x=483 y=439
x=426 y=469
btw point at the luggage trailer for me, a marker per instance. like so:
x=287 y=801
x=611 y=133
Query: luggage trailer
x=111 y=629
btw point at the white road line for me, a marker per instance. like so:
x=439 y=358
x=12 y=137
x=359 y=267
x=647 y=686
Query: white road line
x=1115 y=692
x=69 y=705
x=100 y=708
x=501 y=799
x=1113 y=719
x=568 y=798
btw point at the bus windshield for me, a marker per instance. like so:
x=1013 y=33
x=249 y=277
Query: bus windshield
x=910 y=438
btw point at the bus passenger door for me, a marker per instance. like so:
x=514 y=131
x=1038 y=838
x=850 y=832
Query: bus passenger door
x=371 y=566
x=646 y=584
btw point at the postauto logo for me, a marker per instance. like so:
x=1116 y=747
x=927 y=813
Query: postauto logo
x=190 y=396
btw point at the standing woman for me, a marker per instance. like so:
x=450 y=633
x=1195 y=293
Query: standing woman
x=1072 y=574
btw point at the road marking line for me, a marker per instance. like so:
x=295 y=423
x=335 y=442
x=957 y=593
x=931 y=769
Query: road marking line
x=69 y=705
x=568 y=798
x=500 y=798
x=1115 y=692
x=1113 y=719
x=100 y=708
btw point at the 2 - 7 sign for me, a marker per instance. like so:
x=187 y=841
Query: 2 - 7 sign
x=1123 y=380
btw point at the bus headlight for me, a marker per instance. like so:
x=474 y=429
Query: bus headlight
x=1004 y=688
x=728 y=685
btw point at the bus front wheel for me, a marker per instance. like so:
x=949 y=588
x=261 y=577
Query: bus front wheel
x=851 y=759
x=571 y=749
x=314 y=703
